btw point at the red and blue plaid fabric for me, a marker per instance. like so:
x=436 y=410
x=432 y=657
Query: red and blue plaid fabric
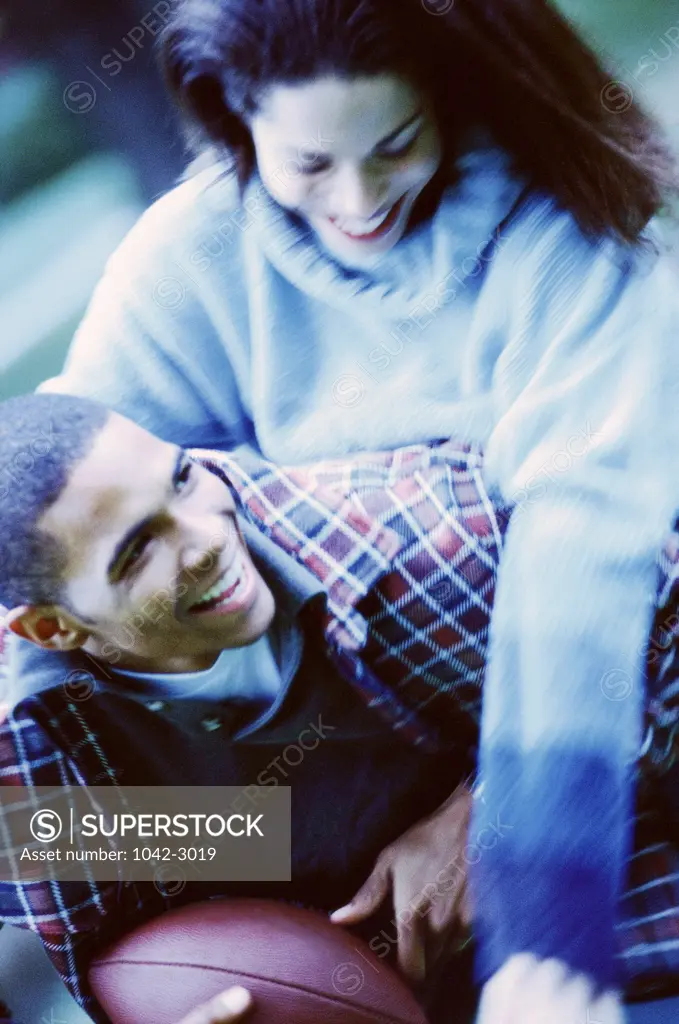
x=407 y=545
x=45 y=741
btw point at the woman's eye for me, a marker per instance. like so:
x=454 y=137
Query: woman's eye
x=315 y=166
x=183 y=476
x=395 y=151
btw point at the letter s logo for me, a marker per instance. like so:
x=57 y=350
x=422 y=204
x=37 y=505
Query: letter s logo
x=46 y=826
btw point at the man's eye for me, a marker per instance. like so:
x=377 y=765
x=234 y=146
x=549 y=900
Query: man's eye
x=134 y=554
x=183 y=476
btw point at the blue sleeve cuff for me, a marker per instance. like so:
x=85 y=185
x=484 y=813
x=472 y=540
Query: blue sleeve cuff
x=547 y=852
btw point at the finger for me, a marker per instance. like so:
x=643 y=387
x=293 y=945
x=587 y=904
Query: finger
x=411 y=948
x=548 y=995
x=228 y=1006
x=499 y=1003
x=608 y=1008
x=410 y=928
x=368 y=898
x=446 y=935
x=465 y=907
x=442 y=916
x=560 y=997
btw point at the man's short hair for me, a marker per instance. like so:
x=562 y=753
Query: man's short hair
x=42 y=438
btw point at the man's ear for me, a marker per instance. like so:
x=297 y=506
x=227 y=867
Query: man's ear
x=47 y=626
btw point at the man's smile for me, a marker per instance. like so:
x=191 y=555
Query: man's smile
x=231 y=592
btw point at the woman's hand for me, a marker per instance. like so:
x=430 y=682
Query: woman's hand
x=426 y=870
x=531 y=991
x=228 y=1006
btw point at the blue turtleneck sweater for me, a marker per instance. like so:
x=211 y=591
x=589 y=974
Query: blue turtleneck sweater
x=220 y=322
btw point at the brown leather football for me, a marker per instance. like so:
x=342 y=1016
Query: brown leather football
x=300 y=968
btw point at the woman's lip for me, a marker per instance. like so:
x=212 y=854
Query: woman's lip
x=384 y=227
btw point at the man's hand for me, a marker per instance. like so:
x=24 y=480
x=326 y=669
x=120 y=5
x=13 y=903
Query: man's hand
x=228 y=1006
x=425 y=869
x=531 y=991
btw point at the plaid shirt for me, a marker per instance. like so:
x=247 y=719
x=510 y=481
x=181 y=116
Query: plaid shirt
x=407 y=546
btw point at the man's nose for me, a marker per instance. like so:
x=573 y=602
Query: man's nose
x=203 y=543
x=358 y=193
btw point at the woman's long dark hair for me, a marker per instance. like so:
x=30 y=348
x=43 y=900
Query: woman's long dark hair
x=515 y=67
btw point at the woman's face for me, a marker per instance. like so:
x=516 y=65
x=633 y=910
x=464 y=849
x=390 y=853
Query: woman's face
x=351 y=156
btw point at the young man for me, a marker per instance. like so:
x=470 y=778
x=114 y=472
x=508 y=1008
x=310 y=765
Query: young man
x=200 y=648
x=207 y=655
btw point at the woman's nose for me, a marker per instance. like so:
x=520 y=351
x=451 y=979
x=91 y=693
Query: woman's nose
x=358 y=193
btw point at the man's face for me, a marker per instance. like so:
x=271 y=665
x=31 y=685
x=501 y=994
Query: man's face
x=156 y=566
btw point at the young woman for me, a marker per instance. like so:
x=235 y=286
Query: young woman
x=420 y=220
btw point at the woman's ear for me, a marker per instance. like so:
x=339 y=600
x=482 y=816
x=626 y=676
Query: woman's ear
x=47 y=626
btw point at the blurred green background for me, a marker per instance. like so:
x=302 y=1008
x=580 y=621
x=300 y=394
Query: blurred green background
x=88 y=139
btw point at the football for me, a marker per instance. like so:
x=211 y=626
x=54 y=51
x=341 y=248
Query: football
x=300 y=968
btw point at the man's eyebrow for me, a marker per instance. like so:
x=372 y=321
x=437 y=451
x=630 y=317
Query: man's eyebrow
x=138 y=528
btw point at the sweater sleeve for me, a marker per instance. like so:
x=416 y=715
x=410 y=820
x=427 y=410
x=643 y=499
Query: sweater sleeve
x=161 y=341
x=585 y=449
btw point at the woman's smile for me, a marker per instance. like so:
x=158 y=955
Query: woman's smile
x=358 y=190
x=375 y=227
